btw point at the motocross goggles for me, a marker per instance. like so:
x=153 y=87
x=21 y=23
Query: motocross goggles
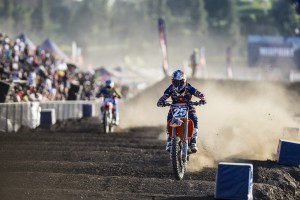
x=178 y=83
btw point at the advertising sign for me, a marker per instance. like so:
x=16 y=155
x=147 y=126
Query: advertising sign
x=273 y=50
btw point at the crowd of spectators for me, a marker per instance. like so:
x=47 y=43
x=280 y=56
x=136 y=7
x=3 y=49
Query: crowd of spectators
x=37 y=75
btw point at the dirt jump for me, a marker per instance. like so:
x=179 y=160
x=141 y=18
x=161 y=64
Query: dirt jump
x=242 y=122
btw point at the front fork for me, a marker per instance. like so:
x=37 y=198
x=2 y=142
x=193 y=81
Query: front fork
x=185 y=140
x=184 y=152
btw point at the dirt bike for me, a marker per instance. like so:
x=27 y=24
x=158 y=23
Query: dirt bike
x=107 y=109
x=180 y=129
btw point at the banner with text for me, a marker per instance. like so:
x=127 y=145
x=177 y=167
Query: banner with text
x=273 y=50
x=163 y=44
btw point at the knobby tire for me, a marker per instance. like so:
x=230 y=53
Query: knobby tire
x=106 y=123
x=177 y=162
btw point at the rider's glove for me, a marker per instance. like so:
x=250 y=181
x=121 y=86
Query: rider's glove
x=202 y=96
x=161 y=104
x=202 y=102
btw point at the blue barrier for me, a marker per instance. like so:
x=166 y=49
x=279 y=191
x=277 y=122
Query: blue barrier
x=234 y=181
x=87 y=110
x=47 y=117
x=288 y=153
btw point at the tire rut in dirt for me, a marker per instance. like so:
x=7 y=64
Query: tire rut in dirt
x=130 y=164
x=124 y=165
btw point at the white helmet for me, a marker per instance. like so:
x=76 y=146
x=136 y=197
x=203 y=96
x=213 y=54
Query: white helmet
x=109 y=84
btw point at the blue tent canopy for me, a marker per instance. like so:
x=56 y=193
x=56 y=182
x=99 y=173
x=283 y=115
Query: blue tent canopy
x=26 y=40
x=49 y=46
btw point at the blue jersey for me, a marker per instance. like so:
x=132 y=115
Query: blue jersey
x=183 y=97
x=109 y=92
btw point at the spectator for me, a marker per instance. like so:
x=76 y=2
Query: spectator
x=45 y=77
x=194 y=62
x=228 y=62
x=202 y=63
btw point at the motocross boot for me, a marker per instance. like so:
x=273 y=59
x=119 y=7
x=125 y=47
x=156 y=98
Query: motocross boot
x=193 y=144
x=102 y=117
x=169 y=144
x=116 y=118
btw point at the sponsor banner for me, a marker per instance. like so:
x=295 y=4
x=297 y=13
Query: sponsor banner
x=163 y=44
x=273 y=50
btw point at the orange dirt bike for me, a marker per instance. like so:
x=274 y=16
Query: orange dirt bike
x=180 y=129
x=108 y=116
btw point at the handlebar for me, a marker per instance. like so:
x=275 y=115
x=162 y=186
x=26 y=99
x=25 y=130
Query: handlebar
x=196 y=103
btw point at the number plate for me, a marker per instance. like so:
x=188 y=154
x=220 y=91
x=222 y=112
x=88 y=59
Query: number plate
x=179 y=111
x=108 y=99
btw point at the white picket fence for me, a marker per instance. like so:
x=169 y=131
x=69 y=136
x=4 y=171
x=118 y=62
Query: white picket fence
x=15 y=115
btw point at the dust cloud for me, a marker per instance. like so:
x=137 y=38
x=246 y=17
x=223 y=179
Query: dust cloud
x=242 y=119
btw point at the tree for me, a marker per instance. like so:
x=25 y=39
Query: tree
x=21 y=18
x=157 y=9
x=296 y=3
x=223 y=20
x=233 y=23
x=6 y=14
x=198 y=17
x=7 y=9
x=256 y=20
x=60 y=16
x=285 y=17
x=40 y=21
x=216 y=11
x=100 y=10
x=82 y=23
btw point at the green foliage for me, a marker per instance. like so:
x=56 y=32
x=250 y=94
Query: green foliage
x=40 y=21
x=296 y=5
x=21 y=18
x=198 y=17
x=60 y=16
x=7 y=9
x=286 y=15
x=133 y=23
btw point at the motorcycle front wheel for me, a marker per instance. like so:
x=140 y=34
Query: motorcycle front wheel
x=179 y=165
x=106 y=122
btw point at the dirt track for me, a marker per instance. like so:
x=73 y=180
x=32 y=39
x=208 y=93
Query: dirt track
x=130 y=164
x=242 y=120
x=124 y=165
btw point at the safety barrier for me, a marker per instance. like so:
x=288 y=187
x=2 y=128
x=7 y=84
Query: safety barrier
x=15 y=115
x=69 y=109
x=234 y=181
x=288 y=153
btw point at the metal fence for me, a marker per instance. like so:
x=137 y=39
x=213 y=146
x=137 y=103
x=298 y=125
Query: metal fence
x=15 y=115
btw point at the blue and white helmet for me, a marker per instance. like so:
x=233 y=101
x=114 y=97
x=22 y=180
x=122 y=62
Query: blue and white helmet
x=179 y=80
x=109 y=84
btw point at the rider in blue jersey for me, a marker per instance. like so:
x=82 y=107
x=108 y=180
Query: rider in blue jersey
x=109 y=91
x=181 y=92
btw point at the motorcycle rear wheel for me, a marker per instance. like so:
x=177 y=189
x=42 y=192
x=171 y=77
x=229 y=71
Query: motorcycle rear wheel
x=179 y=166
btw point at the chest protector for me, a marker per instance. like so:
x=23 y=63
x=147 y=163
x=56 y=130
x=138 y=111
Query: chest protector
x=182 y=97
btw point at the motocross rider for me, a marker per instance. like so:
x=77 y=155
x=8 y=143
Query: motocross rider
x=181 y=92
x=109 y=91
